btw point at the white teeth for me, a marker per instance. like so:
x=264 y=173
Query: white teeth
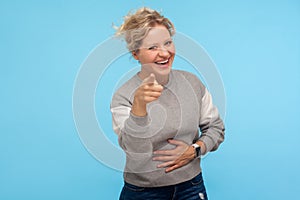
x=163 y=62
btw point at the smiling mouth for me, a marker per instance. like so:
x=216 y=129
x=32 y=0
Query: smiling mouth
x=162 y=62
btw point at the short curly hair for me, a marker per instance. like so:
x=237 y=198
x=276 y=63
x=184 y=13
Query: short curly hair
x=137 y=25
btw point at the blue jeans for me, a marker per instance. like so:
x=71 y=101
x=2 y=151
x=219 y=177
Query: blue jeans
x=189 y=190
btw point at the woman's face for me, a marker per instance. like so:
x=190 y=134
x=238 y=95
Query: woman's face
x=157 y=51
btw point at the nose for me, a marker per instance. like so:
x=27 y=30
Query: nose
x=163 y=52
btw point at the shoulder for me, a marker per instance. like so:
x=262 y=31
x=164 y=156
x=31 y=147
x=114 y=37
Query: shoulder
x=187 y=75
x=194 y=80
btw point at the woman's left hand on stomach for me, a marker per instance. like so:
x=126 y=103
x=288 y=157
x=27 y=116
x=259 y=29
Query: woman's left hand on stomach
x=175 y=158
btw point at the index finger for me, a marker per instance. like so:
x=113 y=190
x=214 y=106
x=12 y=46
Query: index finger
x=164 y=152
x=150 y=79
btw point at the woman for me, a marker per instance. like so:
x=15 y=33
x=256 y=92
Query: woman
x=157 y=115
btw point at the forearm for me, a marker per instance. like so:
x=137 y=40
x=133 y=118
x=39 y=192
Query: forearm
x=210 y=124
x=138 y=108
x=212 y=137
x=135 y=128
x=129 y=127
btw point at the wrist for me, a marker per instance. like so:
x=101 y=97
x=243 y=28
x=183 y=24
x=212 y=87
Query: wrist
x=138 y=109
x=197 y=150
x=203 y=147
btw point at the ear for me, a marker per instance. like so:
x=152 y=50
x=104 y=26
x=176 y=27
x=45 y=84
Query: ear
x=134 y=54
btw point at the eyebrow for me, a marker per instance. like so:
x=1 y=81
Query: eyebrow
x=152 y=44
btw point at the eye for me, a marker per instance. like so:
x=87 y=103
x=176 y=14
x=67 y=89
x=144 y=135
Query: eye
x=152 y=48
x=168 y=43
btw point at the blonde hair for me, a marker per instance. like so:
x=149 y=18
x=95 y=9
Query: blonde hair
x=137 y=25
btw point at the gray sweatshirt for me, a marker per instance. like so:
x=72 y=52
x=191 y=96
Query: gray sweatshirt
x=184 y=107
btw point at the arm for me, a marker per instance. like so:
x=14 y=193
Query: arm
x=130 y=120
x=211 y=125
x=212 y=135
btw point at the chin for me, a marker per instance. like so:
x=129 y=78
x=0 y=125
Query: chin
x=162 y=71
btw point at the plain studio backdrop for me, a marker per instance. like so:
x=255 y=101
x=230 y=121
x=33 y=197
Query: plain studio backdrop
x=255 y=46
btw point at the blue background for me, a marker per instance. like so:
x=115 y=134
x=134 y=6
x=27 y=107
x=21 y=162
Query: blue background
x=255 y=45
